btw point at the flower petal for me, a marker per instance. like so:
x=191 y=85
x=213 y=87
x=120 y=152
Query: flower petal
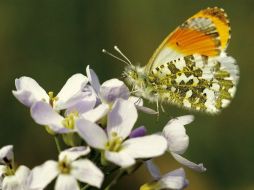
x=174 y=180
x=66 y=182
x=175 y=133
x=97 y=113
x=43 y=114
x=138 y=102
x=93 y=79
x=189 y=164
x=6 y=154
x=145 y=147
x=86 y=171
x=29 y=91
x=84 y=105
x=22 y=174
x=122 y=118
x=91 y=133
x=121 y=158
x=153 y=169
x=138 y=132
x=42 y=175
x=182 y=120
x=74 y=153
x=146 y=110
x=11 y=183
x=113 y=89
x=71 y=91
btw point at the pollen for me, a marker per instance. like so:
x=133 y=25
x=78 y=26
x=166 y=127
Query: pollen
x=64 y=166
x=115 y=143
x=52 y=98
x=69 y=121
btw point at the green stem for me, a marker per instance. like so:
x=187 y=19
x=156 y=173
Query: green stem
x=85 y=187
x=57 y=144
x=114 y=181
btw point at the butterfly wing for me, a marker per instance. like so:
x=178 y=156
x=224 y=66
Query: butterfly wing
x=206 y=33
x=197 y=82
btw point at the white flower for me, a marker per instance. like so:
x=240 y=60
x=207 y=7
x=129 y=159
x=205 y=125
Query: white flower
x=17 y=180
x=178 y=140
x=113 y=142
x=174 y=180
x=45 y=115
x=69 y=170
x=28 y=91
x=6 y=154
x=113 y=89
x=11 y=179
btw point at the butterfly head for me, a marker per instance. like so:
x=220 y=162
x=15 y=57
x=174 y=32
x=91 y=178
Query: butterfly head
x=138 y=79
x=134 y=75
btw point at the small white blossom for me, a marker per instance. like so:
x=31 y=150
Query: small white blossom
x=113 y=143
x=10 y=177
x=174 y=180
x=113 y=89
x=28 y=91
x=45 y=115
x=178 y=140
x=17 y=180
x=6 y=154
x=67 y=170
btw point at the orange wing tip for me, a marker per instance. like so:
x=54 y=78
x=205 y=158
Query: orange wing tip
x=221 y=21
x=218 y=13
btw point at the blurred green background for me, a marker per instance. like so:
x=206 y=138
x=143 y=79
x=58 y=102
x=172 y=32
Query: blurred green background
x=50 y=40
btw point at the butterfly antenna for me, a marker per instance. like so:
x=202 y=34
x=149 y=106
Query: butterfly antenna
x=114 y=56
x=121 y=53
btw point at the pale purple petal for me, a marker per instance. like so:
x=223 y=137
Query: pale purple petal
x=113 y=89
x=146 y=110
x=138 y=132
x=120 y=158
x=71 y=91
x=174 y=180
x=86 y=171
x=42 y=175
x=189 y=164
x=66 y=182
x=138 y=102
x=122 y=118
x=91 y=133
x=97 y=113
x=74 y=153
x=44 y=114
x=6 y=154
x=28 y=91
x=175 y=133
x=85 y=104
x=93 y=79
x=153 y=169
x=145 y=147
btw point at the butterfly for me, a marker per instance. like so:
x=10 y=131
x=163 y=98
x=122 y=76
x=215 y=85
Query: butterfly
x=190 y=68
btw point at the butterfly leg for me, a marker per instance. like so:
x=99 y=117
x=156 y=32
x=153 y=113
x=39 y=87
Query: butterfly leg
x=157 y=107
x=162 y=108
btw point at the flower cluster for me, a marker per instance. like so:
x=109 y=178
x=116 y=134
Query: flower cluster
x=94 y=128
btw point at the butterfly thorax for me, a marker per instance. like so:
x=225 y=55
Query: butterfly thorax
x=143 y=84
